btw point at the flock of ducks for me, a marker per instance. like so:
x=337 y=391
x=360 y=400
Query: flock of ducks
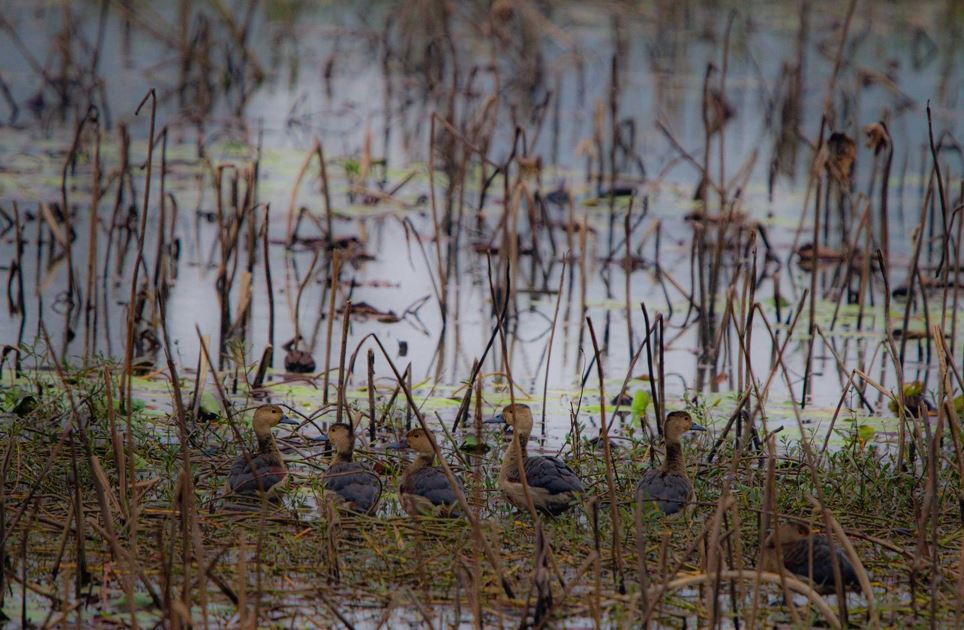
x=549 y=486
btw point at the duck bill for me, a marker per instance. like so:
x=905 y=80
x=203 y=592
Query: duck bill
x=289 y=421
x=697 y=427
x=496 y=419
x=398 y=446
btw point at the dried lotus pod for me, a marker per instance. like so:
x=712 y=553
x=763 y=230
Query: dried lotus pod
x=530 y=165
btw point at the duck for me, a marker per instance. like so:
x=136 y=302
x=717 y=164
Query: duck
x=425 y=489
x=553 y=486
x=669 y=487
x=807 y=555
x=350 y=484
x=267 y=471
x=810 y=256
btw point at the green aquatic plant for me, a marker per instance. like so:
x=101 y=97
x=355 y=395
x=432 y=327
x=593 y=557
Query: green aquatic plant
x=472 y=444
x=913 y=399
x=18 y=401
x=857 y=435
x=641 y=402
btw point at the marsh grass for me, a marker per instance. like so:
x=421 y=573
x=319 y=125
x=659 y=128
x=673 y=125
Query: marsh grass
x=316 y=567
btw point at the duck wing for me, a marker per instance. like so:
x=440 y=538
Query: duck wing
x=355 y=484
x=243 y=479
x=796 y=558
x=549 y=473
x=670 y=491
x=432 y=484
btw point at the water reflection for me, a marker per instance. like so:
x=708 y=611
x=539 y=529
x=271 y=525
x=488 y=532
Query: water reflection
x=613 y=124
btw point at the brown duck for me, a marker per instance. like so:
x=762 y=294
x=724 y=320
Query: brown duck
x=808 y=556
x=668 y=487
x=553 y=486
x=354 y=486
x=267 y=471
x=425 y=489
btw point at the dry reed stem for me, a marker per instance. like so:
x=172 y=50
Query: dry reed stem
x=765 y=576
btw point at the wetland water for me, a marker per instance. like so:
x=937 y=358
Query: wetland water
x=599 y=114
x=328 y=81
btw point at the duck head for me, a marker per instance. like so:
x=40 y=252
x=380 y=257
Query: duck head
x=677 y=423
x=519 y=417
x=267 y=417
x=420 y=441
x=788 y=534
x=341 y=438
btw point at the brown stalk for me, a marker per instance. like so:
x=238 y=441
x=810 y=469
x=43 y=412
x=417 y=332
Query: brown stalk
x=301 y=289
x=627 y=274
x=371 y=396
x=895 y=358
x=342 y=375
x=816 y=173
x=442 y=283
x=101 y=488
x=490 y=552
x=772 y=578
x=333 y=281
x=464 y=406
x=90 y=306
x=947 y=368
x=326 y=189
x=267 y=278
x=127 y=392
x=21 y=306
x=945 y=236
x=4 y=467
x=617 y=555
x=552 y=336
x=293 y=199
x=117 y=444
x=188 y=510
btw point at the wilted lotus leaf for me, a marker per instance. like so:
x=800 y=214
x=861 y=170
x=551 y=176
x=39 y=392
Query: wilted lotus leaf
x=364 y=311
x=530 y=165
x=877 y=136
x=842 y=152
x=299 y=361
x=719 y=112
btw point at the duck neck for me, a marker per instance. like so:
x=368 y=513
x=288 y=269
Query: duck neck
x=267 y=444
x=674 y=461
x=342 y=457
x=510 y=460
x=422 y=460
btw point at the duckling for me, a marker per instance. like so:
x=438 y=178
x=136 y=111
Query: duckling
x=424 y=489
x=267 y=471
x=796 y=543
x=553 y=486
x=668 y=486
x=356 y=488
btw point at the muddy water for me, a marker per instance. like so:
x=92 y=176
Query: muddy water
x=326 y=78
